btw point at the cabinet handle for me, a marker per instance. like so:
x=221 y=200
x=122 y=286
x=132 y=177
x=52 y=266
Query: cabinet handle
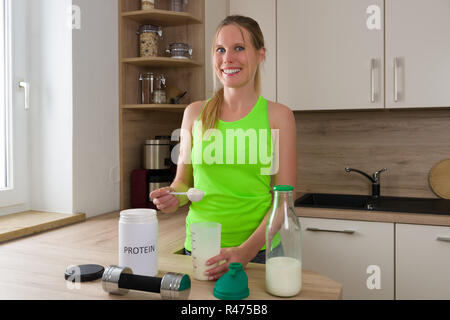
x=395 y=80
x=372 y=80
x=329 y=230
x=446 y=239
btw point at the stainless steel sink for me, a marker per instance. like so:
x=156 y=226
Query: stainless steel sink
x=360 y=202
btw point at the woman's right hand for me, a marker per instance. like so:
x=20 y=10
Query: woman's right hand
x=164 y=201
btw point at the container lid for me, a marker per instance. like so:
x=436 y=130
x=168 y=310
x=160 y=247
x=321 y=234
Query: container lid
x=146 y=76
x=150 y=28
x=233 y=285
x=179 y=45
x=138 y=215
x=284 y=188
x=84 y=273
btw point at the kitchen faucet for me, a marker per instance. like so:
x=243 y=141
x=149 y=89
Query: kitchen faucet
x=375 y=180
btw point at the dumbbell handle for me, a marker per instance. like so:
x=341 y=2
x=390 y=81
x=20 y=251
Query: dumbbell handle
x=140 y=283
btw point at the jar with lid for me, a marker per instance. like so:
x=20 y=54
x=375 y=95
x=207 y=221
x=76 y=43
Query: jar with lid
x=159 y=95
x=180 y=50
x=178 y=5
x=146 y=87
x=149 y=37
x=283 y=246
x=138 y=241
x=147 y=4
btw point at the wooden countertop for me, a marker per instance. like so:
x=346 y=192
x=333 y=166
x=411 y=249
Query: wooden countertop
x=33 y=267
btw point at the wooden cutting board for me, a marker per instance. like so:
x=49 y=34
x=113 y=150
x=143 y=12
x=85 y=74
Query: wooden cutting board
x=439 y=179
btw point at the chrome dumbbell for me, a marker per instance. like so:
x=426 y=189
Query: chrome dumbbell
x=172 y=286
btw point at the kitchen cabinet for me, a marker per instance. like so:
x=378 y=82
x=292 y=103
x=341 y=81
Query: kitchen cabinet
x=357 y=254
x=327 y=57
x=417 y=53
x=422 y=262
x=359 y=54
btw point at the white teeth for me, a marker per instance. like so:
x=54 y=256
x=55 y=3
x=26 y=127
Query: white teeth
x=231 y=71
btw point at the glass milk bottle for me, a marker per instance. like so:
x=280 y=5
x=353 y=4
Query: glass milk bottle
x=283 y=246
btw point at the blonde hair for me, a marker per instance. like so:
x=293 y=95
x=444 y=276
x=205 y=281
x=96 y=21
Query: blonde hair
x=211 y=113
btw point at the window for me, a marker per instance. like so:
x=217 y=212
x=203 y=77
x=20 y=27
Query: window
x=3 y=100
x=14 y=53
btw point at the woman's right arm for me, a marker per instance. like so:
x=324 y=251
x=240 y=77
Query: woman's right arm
x=164 y=201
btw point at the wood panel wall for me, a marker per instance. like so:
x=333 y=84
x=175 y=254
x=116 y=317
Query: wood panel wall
x=406 y=142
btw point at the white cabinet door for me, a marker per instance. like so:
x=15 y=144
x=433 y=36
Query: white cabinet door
x=330 y=54
x=418 y=38
x=422 y=262
x=264 y=12
x=357 y=254
x=215 y=12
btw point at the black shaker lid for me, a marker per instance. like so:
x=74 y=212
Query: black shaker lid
x=84 y=273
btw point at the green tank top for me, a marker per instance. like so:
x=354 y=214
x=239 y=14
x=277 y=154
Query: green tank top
x=232 y=165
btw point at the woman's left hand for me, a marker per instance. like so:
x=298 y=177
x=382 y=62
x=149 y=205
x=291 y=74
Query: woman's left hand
x=228 y=255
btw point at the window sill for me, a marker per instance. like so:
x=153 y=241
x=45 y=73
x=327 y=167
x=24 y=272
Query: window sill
x=27 y=223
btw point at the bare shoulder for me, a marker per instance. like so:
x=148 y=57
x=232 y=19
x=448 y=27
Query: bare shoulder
x=195 y=108
x=192 y=112
x=279 y=114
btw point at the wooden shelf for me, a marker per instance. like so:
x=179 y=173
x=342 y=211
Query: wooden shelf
x=162 y=107
x=140 y=122
x=162 y=62
x=163 y=18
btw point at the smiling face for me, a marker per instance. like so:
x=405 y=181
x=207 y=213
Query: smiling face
x=235 y=58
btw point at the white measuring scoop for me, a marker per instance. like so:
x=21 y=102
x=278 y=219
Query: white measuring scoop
x=194 y=195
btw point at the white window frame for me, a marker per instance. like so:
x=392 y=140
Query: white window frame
x=15 y=198
x=4 y=134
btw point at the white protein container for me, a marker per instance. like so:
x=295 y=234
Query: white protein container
x=138 y=241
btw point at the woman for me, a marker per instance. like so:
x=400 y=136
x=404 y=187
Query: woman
x=236 y=182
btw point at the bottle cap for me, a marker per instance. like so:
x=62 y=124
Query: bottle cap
x=233 y=285
x=283 y=188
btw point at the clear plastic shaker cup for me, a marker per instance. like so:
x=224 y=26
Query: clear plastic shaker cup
x=205 y=244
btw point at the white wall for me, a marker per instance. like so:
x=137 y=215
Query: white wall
x=95 y=108
x=74 y=118
x=51 y=112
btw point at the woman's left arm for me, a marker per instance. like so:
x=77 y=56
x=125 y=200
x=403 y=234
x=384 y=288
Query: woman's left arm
x=283 y=120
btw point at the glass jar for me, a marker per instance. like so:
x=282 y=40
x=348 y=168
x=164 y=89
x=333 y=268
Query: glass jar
x=180 y=50
x=146 y=87
x=147 y=4
x=149 y=37
x=178 y=5
x=283 y=246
